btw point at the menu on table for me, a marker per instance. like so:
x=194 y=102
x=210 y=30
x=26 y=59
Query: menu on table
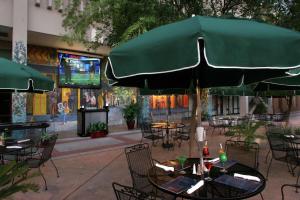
x=243 y=184
x=179 y=184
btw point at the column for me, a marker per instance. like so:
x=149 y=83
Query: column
x=244 y=105
x=270 y=105
x=19 y=53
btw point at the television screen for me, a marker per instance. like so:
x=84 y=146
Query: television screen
x=78 y=71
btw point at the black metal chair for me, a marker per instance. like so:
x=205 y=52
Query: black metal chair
x=44 y=154
x=150 y=133
x=272 y=129
x=123 y=192
x=243 y=152
x=215 y=124
x=182 y=133
x=140 y=161
x=279 y=148
x=293 y=158
x=296 y=186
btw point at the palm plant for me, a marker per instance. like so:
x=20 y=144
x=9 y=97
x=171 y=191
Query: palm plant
x=12 y=179
x=245 y=131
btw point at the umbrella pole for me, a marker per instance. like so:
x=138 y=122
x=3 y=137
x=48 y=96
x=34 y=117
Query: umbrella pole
x=196 y=118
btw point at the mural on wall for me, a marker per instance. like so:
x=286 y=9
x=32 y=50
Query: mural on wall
x=89 y=98
x=18 y=107
x=20 y=53
x=42 y=56
x=145 y=108
x=19 y=99
x=121 y=96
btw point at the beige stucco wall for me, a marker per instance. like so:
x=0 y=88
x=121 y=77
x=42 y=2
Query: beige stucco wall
x=44 y=26
x=42 y=20
x=6 y=7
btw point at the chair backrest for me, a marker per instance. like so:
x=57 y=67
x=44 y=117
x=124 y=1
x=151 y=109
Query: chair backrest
x=292 y=149
x=48 y=148
x=139 y=162
x=146 y=129
x=277 y=143
x=296 y=186
x=123 y=192
x=245 y=153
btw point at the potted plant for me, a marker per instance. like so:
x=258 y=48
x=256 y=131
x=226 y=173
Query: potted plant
x=96 y=130
x=45 y=137
x=130 y=112
x=245 y=131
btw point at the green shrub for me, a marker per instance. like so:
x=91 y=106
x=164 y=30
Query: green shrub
x=260 y=109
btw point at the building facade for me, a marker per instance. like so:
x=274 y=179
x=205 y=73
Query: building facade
x=31 y=33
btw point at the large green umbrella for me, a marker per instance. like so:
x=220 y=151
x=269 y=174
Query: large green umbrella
x=205 y=52
x=214 y=51
x=14 y=76
x=282 y=83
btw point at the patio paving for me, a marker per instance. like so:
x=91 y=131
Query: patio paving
x=88 y=174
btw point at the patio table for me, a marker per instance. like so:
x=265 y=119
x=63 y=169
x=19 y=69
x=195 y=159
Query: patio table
x=15 y=149
x=167 y=127
x=222 y=185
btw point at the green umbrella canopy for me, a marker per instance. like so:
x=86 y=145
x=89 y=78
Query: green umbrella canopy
x=244 y=90
x=214 y=51
x=282 y=83
x=14 y=76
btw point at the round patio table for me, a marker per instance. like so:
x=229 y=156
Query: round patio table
x=222 y=185
x=167 y=126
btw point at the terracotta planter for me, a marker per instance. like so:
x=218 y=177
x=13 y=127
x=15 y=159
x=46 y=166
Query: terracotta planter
x=130 y=124
x=98 y=134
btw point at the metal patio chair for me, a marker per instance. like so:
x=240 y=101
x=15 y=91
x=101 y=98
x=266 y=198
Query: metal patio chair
x=149 y=133
x=123 y=192
x=280 y=150
x=140 y=161
x=296 y=186
x=182 y=134
x=215 y=124
x=44 y=154
x=243 y=152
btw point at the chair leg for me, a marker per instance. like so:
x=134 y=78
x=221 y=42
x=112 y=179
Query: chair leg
x=297 y=182
x=266 y=160
x=54 y=167
x=282 y=195
x=261 y=196
x=269 y=168
x=43 y=178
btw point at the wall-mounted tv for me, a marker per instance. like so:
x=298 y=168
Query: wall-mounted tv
x=78 y=71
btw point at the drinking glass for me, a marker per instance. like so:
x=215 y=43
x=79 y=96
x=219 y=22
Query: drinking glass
x=223 y=159
x=205 y=151
x=208 y=166
x=181 y=160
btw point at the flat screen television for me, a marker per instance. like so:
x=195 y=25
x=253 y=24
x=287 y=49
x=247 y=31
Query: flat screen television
x=78 y=71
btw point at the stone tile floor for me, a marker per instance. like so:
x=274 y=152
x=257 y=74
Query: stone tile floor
x=89 y=173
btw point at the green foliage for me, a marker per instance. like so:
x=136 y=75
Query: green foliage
x=98 y=126
x=260 y=109
x=131 y=111
x=297 y=131
x=120 y=20
x=245 y=130
x=12 y=177
x=45 y=136
x=124 y=94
